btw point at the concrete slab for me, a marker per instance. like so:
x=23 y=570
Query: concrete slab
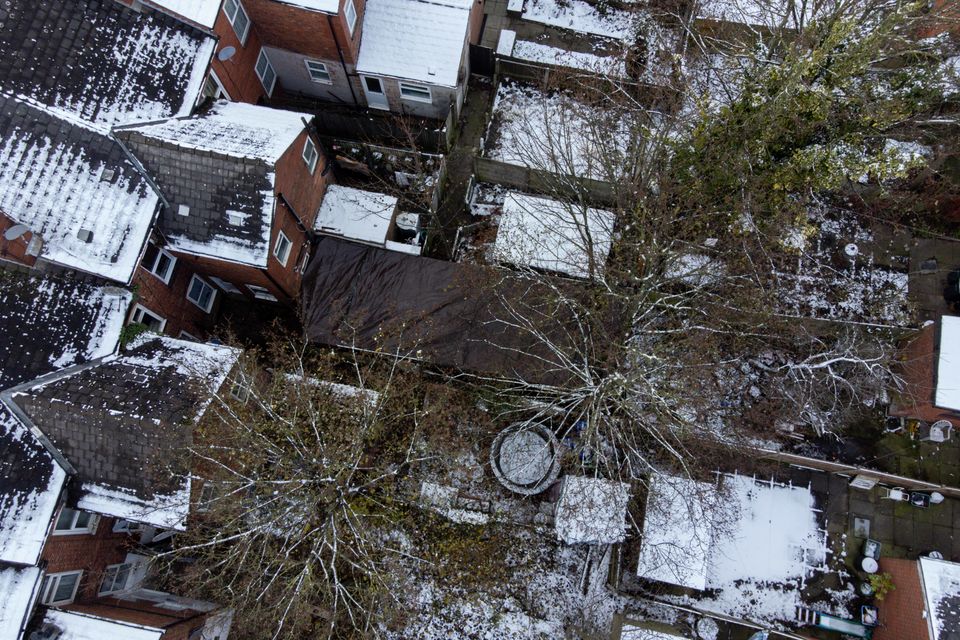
x=903 y=532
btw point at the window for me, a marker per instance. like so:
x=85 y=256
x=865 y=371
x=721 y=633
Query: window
x=200 y=293
x=158 y=262
x=229 y=287
x=281 y=250
x=208 y=492
x=238 y=19
x=115 y=578
x=350 y=12
x=318 y=71
x=310 y=154
x=213 y=88
x=268 y=77
x=72 y=521
x=142 y=315
x=240 y=389
x=417 y=92
x=60 y=588
x=261 y=293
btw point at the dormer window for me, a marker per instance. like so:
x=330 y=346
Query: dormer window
x=183 y=210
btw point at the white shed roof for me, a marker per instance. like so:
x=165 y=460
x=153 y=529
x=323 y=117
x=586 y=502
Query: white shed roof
x=592 y=510
x=356 y=214
x=81 y=626
x=552 y=235
x=941 y=593
x=948 y=364
x=414 y=40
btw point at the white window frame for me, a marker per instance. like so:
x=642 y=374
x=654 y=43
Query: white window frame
x=50 y=584
x=227 y=287
x=350 y=13
x=418 y=88
x=213 y=293
x=240 y=389
x=256 y=68
x=242 y=37
x=139 y=308
x=221 y=91
x=261 y=293
x=310 y=70
x=286 y=250
x=116 y=569
x=314 y=158
x=173 y=263
x=126 y=526
x=74 y=530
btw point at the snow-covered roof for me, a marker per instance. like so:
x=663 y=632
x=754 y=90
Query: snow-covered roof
x=30 y=493
x=677 y=532
x=556 y=133
x=639 y=633
x=202 y=12
x=18 y=587
x=102 y=61
x=554 y=236
x=356 y=214
x=218 y=167
x=592 y=510
x=948 y=364
x=118 y=422
x=49 y=323
x=233 y=129
x=326 y=6
x=758 y=541
x=61 y=177
x=74 y=625
x=414 y=40
x=941 y=594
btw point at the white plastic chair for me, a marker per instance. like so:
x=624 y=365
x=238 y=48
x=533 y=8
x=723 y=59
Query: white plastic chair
x=895 y=493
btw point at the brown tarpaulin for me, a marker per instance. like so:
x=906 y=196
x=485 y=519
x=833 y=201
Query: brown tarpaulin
x=448 y=314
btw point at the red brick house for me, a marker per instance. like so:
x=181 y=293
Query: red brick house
x=299 y=47
x=94 y=488
x=930 y=366
x=241 y=186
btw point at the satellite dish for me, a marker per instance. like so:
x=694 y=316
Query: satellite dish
x=15 y=232
x=226 y=53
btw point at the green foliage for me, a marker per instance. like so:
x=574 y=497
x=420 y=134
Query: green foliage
x=882 y=584
x=808 y=119
x=131 y=331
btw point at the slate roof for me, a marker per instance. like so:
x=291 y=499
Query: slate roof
x=55 y=177
x=48 y=323
x=101 y=61
x=220 y=164
x=120 y=421
x=30 y=485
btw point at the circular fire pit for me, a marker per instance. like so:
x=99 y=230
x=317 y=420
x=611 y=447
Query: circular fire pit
x=524 y=458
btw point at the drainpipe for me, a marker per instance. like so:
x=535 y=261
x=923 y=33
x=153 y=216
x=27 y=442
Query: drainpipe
x=343 y=63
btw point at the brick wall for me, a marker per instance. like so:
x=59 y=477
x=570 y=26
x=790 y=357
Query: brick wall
x=476 y=21
x=170 y=301
x=238 y=74
x=918 y=363
x=87 y=552
x=308 y=32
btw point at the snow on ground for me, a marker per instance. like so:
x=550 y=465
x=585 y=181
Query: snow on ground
x=552 y=235
x=578 y=15
x=836 y=276
x=555 y=133
x=759 y=565
x=607 y=65
x=773 y=14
